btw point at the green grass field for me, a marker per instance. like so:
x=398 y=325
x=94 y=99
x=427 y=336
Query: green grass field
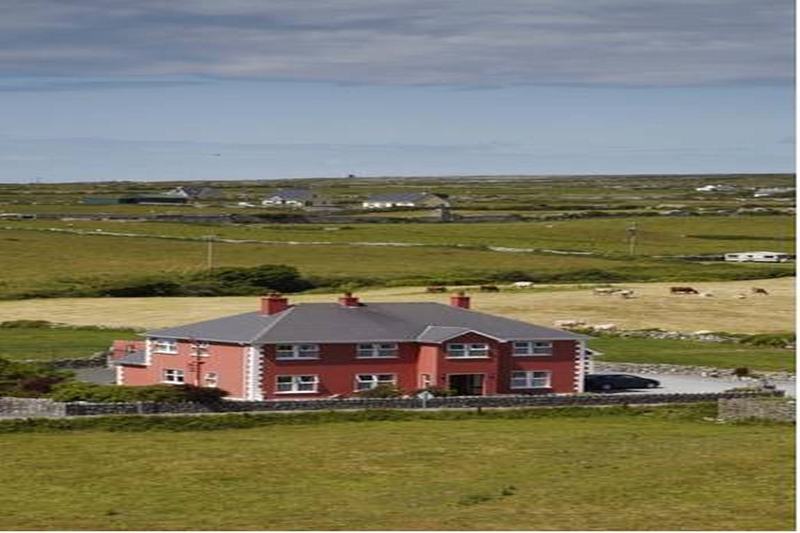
x=57 y=343
x=693 y=353
x=588 y=472
x=41 y=260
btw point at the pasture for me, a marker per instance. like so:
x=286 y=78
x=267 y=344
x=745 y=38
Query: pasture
x=589 y=471
x=653 y=307
x=42 y=343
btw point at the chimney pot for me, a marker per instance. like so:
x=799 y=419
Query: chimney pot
x=348 y=300
x=274 y=303
x=460 y=299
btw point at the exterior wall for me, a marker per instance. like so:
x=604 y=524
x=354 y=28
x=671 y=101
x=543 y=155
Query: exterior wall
x=227 y=360
x=249 y=373
x=336 y=369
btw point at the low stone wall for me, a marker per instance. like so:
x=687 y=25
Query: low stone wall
x=98 y=360
x=31 y=407
x=601 y=367
x=778 y=409
x=85 y=408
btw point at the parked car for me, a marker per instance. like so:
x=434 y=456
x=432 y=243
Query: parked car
x=608 y=382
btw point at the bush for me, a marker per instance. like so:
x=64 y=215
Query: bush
x=381 y=391
x=778 y=340
x=91 y=392
x=29 y=379
x=27 y=324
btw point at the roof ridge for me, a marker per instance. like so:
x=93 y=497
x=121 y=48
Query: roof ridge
x=283 y=314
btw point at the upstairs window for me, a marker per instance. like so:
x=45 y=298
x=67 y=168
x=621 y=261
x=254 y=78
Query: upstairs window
x=200 y=348
x=468 y=351
x=297 y=351
x=377 y=351
x=370 y=381
x=165 y=346
x=289 y=384
x=173 y=376
x=529 y=348
x=530 y=380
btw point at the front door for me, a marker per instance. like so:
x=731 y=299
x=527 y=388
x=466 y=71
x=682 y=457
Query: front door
x=466 y=384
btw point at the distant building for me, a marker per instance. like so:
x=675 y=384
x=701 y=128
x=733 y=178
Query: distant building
x=291 y=198
x=757 y=257
x=715 y=188
x=194 y=193
x=773 y=191
x=405 y=199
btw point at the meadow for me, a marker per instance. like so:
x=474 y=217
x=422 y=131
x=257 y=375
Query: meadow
x=43 y=343
x=591 y=471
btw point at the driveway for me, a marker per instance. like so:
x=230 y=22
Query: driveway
x=671 y=383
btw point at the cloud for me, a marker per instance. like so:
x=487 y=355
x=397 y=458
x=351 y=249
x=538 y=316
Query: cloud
x=439 y=42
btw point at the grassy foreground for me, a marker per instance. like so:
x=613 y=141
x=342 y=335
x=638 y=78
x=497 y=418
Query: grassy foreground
x=694 y=353
x=594 y=472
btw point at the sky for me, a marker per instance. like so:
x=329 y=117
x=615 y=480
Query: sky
x=96 y=90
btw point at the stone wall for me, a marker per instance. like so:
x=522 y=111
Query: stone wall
x=30 y=407
x=776 y=408
x=85 y=408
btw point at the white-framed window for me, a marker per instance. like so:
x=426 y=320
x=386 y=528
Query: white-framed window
x=370 y=381
x=173 y=375
x=425 y=381
x=296 y=384
x=211 y=380
x=376 y=350
x=165 y=345
x=200 y=348
x=529 y=348
x=468 y=351
x=297 y=351
x=533 y=379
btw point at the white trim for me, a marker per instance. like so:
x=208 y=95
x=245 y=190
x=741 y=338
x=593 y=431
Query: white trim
x=295 y=356
x=120 y=375
x=376 y=381
x=467 y=331
x=466 y=345
x=375 y=348
x=179 y=372
x=581 y=363
x=253 y=373
x=532 y=348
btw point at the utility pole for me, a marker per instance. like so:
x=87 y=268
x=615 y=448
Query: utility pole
x=632 y=233
x=210 y=251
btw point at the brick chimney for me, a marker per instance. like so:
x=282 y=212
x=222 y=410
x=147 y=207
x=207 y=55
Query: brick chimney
x=273 y=303
x=460 y=299
x=348 y=300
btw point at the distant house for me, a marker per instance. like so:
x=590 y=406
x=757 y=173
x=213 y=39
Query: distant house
x=291 y=198
x=773 y=191
x=194 y=193
x=715 y=188
x=405 y=199
x=757 y=257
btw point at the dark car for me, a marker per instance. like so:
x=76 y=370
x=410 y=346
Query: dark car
x=609 y=382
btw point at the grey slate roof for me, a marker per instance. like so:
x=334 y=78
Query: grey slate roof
x=300 y=195
x=138 y=357
x=372 y=322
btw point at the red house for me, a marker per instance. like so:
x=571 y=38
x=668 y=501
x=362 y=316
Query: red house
x=307 y=350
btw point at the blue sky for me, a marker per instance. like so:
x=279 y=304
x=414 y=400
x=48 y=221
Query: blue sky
x=253 y=89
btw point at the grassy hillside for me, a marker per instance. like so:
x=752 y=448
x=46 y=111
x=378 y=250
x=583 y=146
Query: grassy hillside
x=45 y=343
x=605 y=472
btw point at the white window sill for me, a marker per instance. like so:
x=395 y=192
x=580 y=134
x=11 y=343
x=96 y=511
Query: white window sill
x=174 y=382
x=470 y=357
x=532 y=354
x=297 y=358
x=377 y=357
x=531 y=388
x=164 y=353
x=297 y=392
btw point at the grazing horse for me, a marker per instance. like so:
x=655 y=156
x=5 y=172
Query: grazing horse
x=683 y=290
x=490 y=288
x=759 y=290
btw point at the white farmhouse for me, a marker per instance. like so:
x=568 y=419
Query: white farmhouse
x=405 y=199
x=291 y=198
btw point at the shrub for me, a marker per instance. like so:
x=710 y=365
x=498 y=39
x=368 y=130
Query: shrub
x=438 y=392
x=27 y=324
x=778 y=340
x=29 y=379
x=91 y=392
x=381 y=391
